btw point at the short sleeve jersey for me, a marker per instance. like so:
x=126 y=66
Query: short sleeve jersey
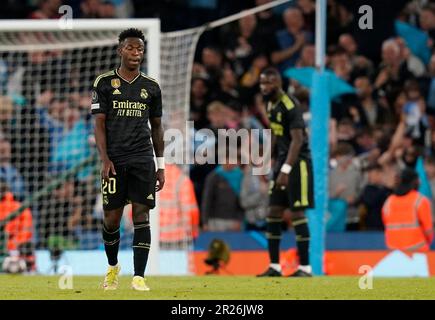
x=128 y=105
x=284 y=115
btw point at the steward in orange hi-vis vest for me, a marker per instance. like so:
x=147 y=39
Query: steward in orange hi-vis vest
x=179 y=213
x=407 y=216
x=19 y=229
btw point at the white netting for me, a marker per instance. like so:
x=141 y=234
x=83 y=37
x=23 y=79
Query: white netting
x=46 y=129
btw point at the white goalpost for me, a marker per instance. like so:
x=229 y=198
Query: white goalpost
x=48 y=72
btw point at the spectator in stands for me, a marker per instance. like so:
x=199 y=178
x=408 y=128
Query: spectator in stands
x=428 y=84
x=107 y=10
x=414 y=112
x=372 y=199
x=9 y=173
x=254 y=199
x=345 y=182
x=244 y=44
x=370 y=41
x=403 y=150
x=228 y=92
x=213 y=62
x=413 y=63
x=393 y=71
x=427 y=22
x=47 y=9
x=373 y=112
x=365 y=141
x=308 y=8
x=73 y=145
x=250 y=120
x=18 y=230
x=220 y=208
x=51 y=114
x=289 y=41
x=60 y=213
x=90 y=9
x=360 y=64
x=307 y=58
x=407 y=216
x=338 y=20
x=199 y=99
x=346 y=131
x=216 y=115
x=249 y=81
x=340 y=63
x=267 y=23
x=6 y=115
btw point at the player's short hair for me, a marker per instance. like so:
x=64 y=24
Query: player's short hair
x=131 y=33
x=271 y=72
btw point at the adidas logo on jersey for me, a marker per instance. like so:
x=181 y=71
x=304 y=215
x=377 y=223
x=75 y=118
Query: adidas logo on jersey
x=116 y=91
x=150 y=197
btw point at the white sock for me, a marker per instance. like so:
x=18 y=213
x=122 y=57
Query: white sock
x=306 y=268
x=275 y=266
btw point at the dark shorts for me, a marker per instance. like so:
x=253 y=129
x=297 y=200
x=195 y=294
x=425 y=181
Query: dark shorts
x=132 y=183
x=299 y=195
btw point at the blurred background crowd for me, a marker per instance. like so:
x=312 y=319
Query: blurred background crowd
x=383 y=121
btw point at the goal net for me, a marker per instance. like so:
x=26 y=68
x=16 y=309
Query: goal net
x=47 y=149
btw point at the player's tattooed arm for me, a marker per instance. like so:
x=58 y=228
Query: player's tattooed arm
x=159 y=145
x=100 y=139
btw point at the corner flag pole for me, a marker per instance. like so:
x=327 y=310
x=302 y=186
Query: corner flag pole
x=319 y=130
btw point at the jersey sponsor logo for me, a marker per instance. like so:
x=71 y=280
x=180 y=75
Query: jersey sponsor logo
x=116 y=83
x=127 y=104
x=143 y=93
x=129 y=108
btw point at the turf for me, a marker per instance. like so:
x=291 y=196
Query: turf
x=218 y=288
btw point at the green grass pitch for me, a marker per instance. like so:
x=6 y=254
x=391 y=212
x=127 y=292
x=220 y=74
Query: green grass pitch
x=218 y=288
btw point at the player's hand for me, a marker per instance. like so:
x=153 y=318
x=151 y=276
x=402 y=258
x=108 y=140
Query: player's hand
x=160 y=179
x=282 y=181
x=106 y=168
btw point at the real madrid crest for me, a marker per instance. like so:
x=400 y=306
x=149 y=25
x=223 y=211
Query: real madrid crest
x=116 y=83
x=94 y=96
x=143 y=93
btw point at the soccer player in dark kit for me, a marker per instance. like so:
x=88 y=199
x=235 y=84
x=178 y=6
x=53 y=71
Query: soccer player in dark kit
x=292 y=184
x=123 y=101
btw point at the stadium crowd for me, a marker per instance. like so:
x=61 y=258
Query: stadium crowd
x=386 y=122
